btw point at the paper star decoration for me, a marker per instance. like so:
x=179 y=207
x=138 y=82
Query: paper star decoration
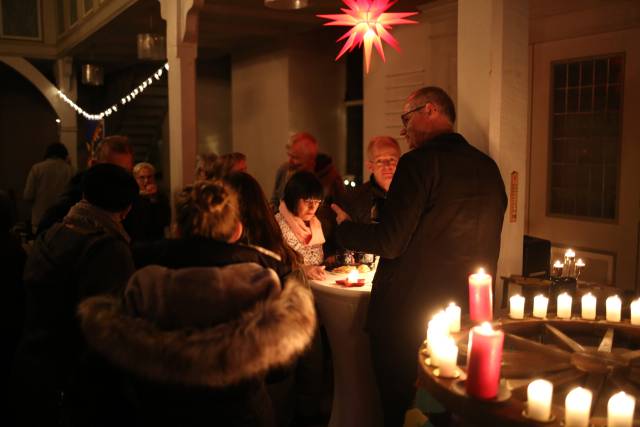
x=370 y=25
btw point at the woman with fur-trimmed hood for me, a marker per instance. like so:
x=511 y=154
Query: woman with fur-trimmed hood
x=195 y=343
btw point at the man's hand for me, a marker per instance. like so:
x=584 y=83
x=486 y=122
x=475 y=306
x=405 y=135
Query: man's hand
x=315 y=272
x=341 y=215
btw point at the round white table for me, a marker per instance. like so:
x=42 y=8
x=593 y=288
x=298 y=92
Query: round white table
x=343 y=312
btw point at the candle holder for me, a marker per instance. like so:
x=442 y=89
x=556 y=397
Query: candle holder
x=551 y=419
x=457 y=374
x=504 y=394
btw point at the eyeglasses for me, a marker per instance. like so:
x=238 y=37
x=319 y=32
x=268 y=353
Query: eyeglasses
x=312 y=203
x=405 y=116
x=385 y=162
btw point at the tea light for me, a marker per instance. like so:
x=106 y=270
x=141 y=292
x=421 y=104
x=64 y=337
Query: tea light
x=635 y=312
x=570 y=254
x=620 y=410
x=557 y=268
x=447 y=357
x=577 y=407
x=516 y=307
x=480 y=297
x=564 y=306
x=539 y=394
x=353 y=276
x=485 y=357
x=540 y=304
x=614 y=307
x=588 y=306
x=453 y=313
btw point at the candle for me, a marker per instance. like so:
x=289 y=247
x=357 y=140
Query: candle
x=557 y=268
x=516 y=307
x=635 y=312
x=353 y=276
x=540 y=304
x=620 y=410
x=480 y=297
x=588 y=306
x=437 y=329
x=614 y=307
x=577 y=407
x=564 y=306
x=485 y=357
x=570 y=254
x=447 y=357
x=539 y=394
x=453 y=313
x=569 y=263
x=579 y=267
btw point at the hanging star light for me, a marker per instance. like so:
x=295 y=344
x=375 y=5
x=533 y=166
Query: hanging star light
x=370 y=24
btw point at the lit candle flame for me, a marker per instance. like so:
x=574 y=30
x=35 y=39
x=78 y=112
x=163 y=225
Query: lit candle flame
x=353 y=276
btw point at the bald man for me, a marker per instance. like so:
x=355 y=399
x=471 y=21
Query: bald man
x=302 y=151
x=363 y=204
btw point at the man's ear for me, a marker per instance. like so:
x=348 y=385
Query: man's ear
x=236 y=234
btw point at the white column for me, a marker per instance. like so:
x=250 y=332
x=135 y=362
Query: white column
x=493 y=103
x=68 y=127
x=182 y=50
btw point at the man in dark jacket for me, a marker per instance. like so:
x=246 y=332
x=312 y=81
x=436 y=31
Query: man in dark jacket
x=441 y=221
x=86 y=254
x=363 y=204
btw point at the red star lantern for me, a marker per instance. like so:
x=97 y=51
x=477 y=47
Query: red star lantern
x=370 y=25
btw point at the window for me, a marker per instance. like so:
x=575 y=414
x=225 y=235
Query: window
x=20 y=19
x=60 y=16
x=73 y=11
x=353 y=102
x=586 y=112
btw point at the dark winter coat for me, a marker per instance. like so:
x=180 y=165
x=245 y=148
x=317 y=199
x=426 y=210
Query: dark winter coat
x=364 y=203
x=195 y=343
x=86 y=255
x=441 y=221
x=203 y=252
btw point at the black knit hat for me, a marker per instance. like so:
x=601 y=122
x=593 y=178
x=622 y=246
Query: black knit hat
x=109 y=187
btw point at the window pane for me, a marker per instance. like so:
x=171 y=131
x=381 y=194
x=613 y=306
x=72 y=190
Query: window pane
x=73 y=11
x=20 y=18
x=559 y=75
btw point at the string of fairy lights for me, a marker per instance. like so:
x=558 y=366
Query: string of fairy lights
x=123 y=101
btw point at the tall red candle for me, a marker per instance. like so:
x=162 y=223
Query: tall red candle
x=480 y=297
x=483 y=363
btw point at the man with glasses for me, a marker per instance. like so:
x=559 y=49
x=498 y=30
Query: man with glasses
x=363 y=204
x=441 y=220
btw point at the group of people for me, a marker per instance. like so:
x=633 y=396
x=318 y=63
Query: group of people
x=124 y=325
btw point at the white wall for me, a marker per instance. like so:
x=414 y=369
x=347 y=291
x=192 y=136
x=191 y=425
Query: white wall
x=214 y=107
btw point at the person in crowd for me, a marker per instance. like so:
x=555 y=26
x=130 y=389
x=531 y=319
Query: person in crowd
x=205 y=166
x=297 y=219
x=442 y=220
x=230 y=163
x=115 y=150
x=259 y=225
x=364 y=203
x=207 y=233
x=12 y=259
x=151 y=212
x=47 y=180
x=86 y=254
x=303 y=156
x=194 y=345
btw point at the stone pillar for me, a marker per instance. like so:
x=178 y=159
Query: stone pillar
x=182 y=50
x=68 y=127
x=493 y=103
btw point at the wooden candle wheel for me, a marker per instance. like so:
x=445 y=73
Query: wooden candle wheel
x=601 y=356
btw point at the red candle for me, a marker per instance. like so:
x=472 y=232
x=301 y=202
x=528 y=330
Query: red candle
x=480 y=297
x=483 y=363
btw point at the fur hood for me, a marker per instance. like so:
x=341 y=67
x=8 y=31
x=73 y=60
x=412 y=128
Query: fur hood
x=213 y=326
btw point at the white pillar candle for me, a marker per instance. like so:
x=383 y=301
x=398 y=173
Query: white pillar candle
x=635 y=312
x=516 y=307
x=447 y=357
x=564 y=306
x=437 y=329
x=577 y=407
x=588 y=306
x=620 y=410
x=539 y=394
x=614 y=307
x=453 y=313
x=540 y=304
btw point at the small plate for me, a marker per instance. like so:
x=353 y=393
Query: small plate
x=347 y=284
x=504 y=393
x=551 y=419
x=456 y=373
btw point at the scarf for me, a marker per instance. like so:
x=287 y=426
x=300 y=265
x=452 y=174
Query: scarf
x=308 y=235
x=85 y=214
